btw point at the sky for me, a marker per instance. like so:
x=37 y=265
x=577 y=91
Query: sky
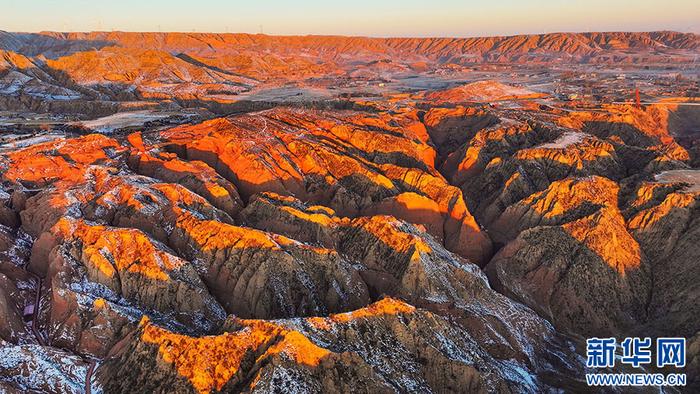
x=380 y=18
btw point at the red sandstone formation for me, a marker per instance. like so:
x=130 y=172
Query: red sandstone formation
x=354 y=164
x=482 y=91
x=445 y=240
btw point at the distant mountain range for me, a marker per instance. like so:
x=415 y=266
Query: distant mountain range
x=118 y=66
x=560 y=46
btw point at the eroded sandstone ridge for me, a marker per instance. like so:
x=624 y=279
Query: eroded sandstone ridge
x=394 y=249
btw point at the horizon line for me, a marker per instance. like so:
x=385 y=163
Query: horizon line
x=44 y=32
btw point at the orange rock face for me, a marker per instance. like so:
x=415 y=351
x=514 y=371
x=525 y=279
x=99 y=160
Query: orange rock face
x=604 y=234
x=195 y=175
x=576 y=156
x=588 y=210
x=651 y=123
x=131 y=251
x=255 y=355
x=364 y=171
x=585 y=213
x=482 y=91
x=150 y=71
x=387 y=306
x=46 y=163
x=210 y=362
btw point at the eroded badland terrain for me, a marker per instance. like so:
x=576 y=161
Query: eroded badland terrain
x=249 y=213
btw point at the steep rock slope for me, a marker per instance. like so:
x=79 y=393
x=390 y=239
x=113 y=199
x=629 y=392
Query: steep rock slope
x=354 y=163
x=573 y=259
x=585 y=237
x=316 y=355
